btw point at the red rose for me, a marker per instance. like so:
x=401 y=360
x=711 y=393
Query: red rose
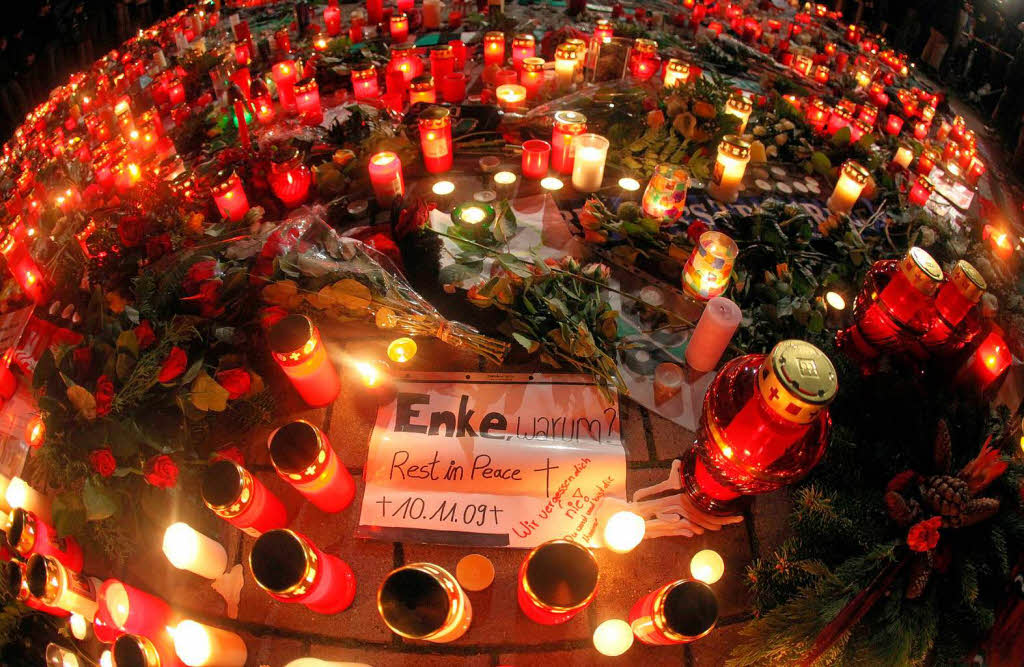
x=271 y=315
x=104 y=395
x=131 y=230
x=236 y=381
x=200 y=272
x=174 y=365
x=82 y=357
x=144 y=334
x=229 y=453
x=161 y=471
x=694 y=231
x=158 y=246
x=924 y=535
x=103 y=461
x=208 y=298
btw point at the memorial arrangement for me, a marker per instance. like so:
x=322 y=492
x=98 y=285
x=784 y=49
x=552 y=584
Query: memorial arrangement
x=761 y=224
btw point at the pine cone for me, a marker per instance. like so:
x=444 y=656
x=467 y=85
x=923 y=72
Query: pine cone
x=947 y=496
x=919 y=573
x=978 y=510
x=900 y=509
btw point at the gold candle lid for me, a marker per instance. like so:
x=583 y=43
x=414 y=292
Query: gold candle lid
x=494 y=36
x=227 y=488
x=44 y=577
x=968 y=281
x=442 y=51
x=845 y=114
x=434 y=118
x=740 y=103
x=572 y=121
x=564 y=51
x=284 y=563
x=409 y=625
x=364 y=71
x=856 y=172
x=641 y=45
x=797 y=380
x=580 y=45
x=677 y=65
x=422 y=83
x=921 y=269
x=734 y=146
x=134 y=651
x=523 y=39
x=534 y=64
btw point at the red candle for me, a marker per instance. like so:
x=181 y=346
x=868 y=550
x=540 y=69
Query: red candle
x=567 y=124
x=531 y=76
x=920 y=191
x=175 y=90
x=643 y=60
x=523 y=46
x=405 y=5
x=557 y=580
x=536 y=156
x=307 y=102
x=677 y=613
x=926 y=161
x=242 y=55
x=332 y=18
x=818 y=114
x=405 y=61
x=603 y=31
x=505 y=76
x=283 y=41
x=821 y=74
x=285 y=75
x=290 y=179
x=235 y=495
x=494 y=49
x=364 y=83
x=459 y=51
x=131 y=610
x=17 y=586
x=386 y=177
x=356 y=24
x=442 y=61
x=893 y=125
x=24 y=269
x=987 y=363
x=229 y=196
x=454 y=19
x=298 y=350
x=305 y=459
x=30 y=535
x=290 y=568
x=435 y=126
x=399 y=28
x=453 y=87
x=421 y=89
x=262 y=105
x=857 y=130
x=374 y=11
x=920 y=130
x=955 y=299
x=976 y=171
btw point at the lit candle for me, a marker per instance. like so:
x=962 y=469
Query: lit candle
x=424 y=602
x=375 y=11
x=707 y=271
x=17 y=587
x=975 y=171
x=557 y=580
x=289 y=178
x=421 y=89
x=106 y=658
x=138 y=651
x=20 y=495
x=839 y=119
x=857 y=130
x=565 y=65
x=821 y=74
x=55 y=585
x=920 y=130
x=442 y=61
x=386 y=177
x=79 y=627
x=472 y=219
x=707 y=566
x=261 y=102
x=852 y=179
x=296 y=346
x=494 y=48
x=715 y=329
x=603 y=31
x=405 y=60
x=285 y=74
x=57 y=656
x=665 y=196
x=505 y=184
x=290 y=568
x=402 y=350
x=235 y=495
x=523 y=46
x=229 y=196
x=677 y=613
x=987 y=363
x=868 y=114
x=624 y=531
x=131 y=610
x=435 y=125
x=802 y=65
x=677 y=73
x=332 y=18
x=303 y=457
x=926 y=161
x=613 y=637
x=630 y=186
x=199 y=645
x=643 y=59
x=893 y=125
x=920 y=191
x=727 y=175
x=590 y=151
x=510 y=96
x=307 y=102
x=817 y=114
x=188 y=549
x=531 y=75
x=551 y=184
x=443 y=190
x=356 y=24
x=376 y=377
x=567 y=125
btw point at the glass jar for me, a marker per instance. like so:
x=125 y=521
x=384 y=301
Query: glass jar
x=952 y=328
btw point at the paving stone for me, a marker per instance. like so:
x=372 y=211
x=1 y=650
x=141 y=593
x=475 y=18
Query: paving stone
x=712 y=651
x=634 y=439
x=275 y=652
x=434 y=655
x=638 y=654
x=670 y=439
x=771 y=520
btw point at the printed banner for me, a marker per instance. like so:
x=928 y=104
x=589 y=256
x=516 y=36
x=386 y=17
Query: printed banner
x=492 y=460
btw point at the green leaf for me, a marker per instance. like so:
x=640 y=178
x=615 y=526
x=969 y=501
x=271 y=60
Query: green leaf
x=193 y=371
x=841 y=138
x=68 y=514
x=99 y=504
x=816 y=324
x=127 y=341
x=530 y=345
x=455 y=274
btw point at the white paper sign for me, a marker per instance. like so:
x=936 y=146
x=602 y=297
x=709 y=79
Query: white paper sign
x=495 y=460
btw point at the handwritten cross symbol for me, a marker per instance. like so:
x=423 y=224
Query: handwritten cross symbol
x=547 y=476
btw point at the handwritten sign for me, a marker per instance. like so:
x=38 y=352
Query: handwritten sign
x=499 y=460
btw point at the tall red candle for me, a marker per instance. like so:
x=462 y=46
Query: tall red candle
x=290 y=568
x=893 y=125
x=130 y=610
x=24 y=269
x=679 y=612
x=435 y=126
x=374 y=11
x=442 y=61
x=307 y=102
x=399 y=27
x=536 y=158
x=364 y=82
x=954 y=301
x=305 y=459
x=567 y=124
x=236 y=496
x=523 y=46
x=494 y=48
x=531 y=76
x=285 y=75
x=30 y=535
x=332 y=18
x=557 y=580
x=297 y=348
x=229 y=196
x=386 y=177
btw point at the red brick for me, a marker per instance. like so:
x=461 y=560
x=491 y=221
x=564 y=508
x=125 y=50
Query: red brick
x=634 y=438
x=638 y=654
x=713 y=650
x=434 y=655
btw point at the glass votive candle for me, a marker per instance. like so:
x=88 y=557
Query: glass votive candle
x=665 y=196
x=453 y=87
x=740 y=107
x=421 y=89
x=364 y=82
x=557 y=580
x=424 y=602
x=229 y=196
x=290 y=178
x=567 y=125
x=531 y=76
x=852 y=179
x=442 y=61
x=590 y=152
x=565 y=64
x=473 y=219
x=523 y=46
x=707 y=271
x=386 y=177
x=510 y=96
x=677 y=73
x=731 y=164
x=536 y=157
x=435 y=125
x=505 y=184
x=494 y=48
x=920 y=191
x=677 y=613
x=399 y=27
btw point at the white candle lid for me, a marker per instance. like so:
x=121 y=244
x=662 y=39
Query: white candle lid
x=668 y=374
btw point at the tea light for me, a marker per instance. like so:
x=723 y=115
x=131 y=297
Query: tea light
x=920 y=191
x=188 y=549
x=402 y=350
x=505 y=183
x=453 y=87
x=199 y=645
x=374 y=375
x=677 y=72
x=668 y=381
x=307 y=102
x=421 y=89
x=510 y=96
x=474 y=219
x=494 y=48
x=536 y=157
x=740 y=107
x=565 y=64
x=624 y=531
x=707 y=566
x=893 y=125
x=630 y=186
x=399 y=27
x=707 y=271
x=590 y=151
x=852 y=179
x=613 y=637
x=551 y=184
x=523 y=46
x=665 y=196
x=603 y=31
x=443 y=190
x=727 y=176
x=531 y=75
x=386 y=177
x=364 y=82
x=435 y=125
x=229 y=196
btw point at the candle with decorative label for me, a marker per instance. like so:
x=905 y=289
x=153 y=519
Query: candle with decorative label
x=56 y=585
x=303 y=457
x=235 y=495
x=817 y=114
x=494 y=48
x=740 y=107
x=307 y=102
x=188 y=549
x=852 y=179
x=557 y=580
x=386 y=177
x=839 y=119
x=199 y=645
x=229 y=196
x=290 y=568
x=643 y=59
x=731 y=164
x=603 y=31
x=868 y=114
x=531 y=76
x=677 y=72
x=435 y=125
x=523 y=46
x=421 y=89
x=677 y=613
x=399 y=27
x=442 y=61
x=920 y=191
x=707 y=271
x=565 y=64
x=297 y=349
x=131 y=610
x=589 y=154
x=926 y=161
x=424 y=602
x=364 y=82
x=955 y=299
x=665 y=196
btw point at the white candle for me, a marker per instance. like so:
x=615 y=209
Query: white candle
x=733 y=156
x=852 y=178
x=316 y=662
x=20 y=494
x=623 y=531
x=106 y=659
x=199 y=645
x=613 y=637
x=431 y=14
x=5 y=481
x=668 y=381
x=903 y=156
x=188 y=549
x=707 y=566
x=565 y=64
x=79 y=626
x=510 y=95
x=714 y=330
x=740 y=107
x=590 y=150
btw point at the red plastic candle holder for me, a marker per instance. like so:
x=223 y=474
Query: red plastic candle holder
x=374 y=11
x=435 y=125
x=17 y=587
x=531 y=76
x=297 y=349
x=305 y=459
x=130 y=610
x=399 y=28
x=386 y=177
x=307 y=102
x=494 y=48
x=557 y=580
x=285 y=74
x=442 y=61
x=920 y=191
x=926 y=161
x=955 y=299
x=332 y=19
x=567 y=124
x=235 y=495
x=680 y=612
x=24 y=268
x=283 y=41
x=290 y=568
x=893 y=125
x=290 y=179
x=229 y=196
x=523 y=46
x=536 y=158
x=364 y=83
x=459 y=53
x=453 y=87
x=405 y=61
x=30 y=535
x=421 y=89
x=920 y=130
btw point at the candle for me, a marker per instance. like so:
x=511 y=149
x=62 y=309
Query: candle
x=727 y=176
x=926 y=161
x=285 y=75
x=510 y=96
x=590 y=151
x=975 y=171
x=356 y=24
x=643 y=59
x=386 y=177
x=474 y=220
x=139 y=651
x=20 y=495
x=188 y=549
x=920 y=130
x=199 y=645
x=424 y=602
x=79 y=627
x=57 y=656
x=857 y=130
x=603 y=31
x=839 y=119
x=175 y=91
x=431 y=14
x=332 y=18
x=821 y=74
x=375 y=11
x=868 y=114
x=802 y=65
x=235 y=495
x=17 y=587
x=442 y=61
x=707 y=566
x=131 y=610
x=55 y=585
x=402 y=350
x=453 y=87
x=435 y=125
x=364 y=82
x=229 y=196
x=261 y=102
x=613 y=637
x=987 y=363
x=665 y=196
x=920 y=191
x=303 y=457
x=290 y=568
x=715 y=329
x=565 y=64
x=307 y=102
x=676 y=73
x=282 y=41
x=893 y=125
x=817 y=114
x=399 y=27
x=852 y=179
x=523 y=46
x=494 y=49
x=405 y=61
x=421 y=89
x=677 y=613
x=624 y=531
x=106 y=658
x=630 y=186
x=531 y=75
x=297 y=349
x=557 y=580
x=551 y=184
x=475 y=572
